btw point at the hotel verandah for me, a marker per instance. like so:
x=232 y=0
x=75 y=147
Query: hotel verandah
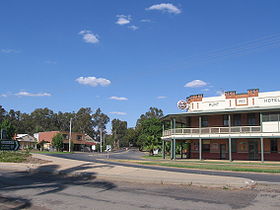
x=233 y=126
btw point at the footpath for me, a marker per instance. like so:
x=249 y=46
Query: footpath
x=66 y=167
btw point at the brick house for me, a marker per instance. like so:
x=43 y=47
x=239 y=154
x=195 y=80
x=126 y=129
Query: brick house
x=80 y=141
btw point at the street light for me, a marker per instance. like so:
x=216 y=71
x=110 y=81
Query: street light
x=70 y=134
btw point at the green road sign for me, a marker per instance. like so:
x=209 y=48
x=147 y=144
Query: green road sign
x=9 y=144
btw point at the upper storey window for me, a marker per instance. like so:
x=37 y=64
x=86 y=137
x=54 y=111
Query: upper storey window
x=204 y=121
x=270 y=117
x=252 y=119
x=237 y=119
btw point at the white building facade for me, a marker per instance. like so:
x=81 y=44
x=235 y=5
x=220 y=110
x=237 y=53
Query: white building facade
x=234 y=126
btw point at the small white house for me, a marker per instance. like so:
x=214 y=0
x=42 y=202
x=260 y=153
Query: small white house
x=26 y=141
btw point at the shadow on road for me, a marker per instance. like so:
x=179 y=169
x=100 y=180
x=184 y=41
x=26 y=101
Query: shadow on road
x=14 y=203
x=47 y=180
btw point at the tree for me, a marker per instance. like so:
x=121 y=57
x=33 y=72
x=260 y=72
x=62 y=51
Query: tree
x=57 y=141
x=150 y=131
x=99 y=120
x=8 y=127
x=42 y=120
x=83 y=121
x=119 y=129
x=152 y=113
x=131 y=136
x=2 y=113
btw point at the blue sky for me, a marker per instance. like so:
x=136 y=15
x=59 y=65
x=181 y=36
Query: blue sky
x=128 y=55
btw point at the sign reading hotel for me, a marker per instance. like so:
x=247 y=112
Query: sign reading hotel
x=231 y=100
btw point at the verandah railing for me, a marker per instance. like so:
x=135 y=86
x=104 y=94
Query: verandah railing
x=213 y=130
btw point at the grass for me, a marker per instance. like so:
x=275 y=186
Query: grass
x=159 y=157
x=213 y=166
x=13 y=157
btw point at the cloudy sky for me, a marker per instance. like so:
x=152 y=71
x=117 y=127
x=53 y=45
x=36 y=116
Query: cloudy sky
x=128 y=55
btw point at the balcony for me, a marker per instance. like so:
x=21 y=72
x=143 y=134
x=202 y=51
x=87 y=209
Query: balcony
x=212 y=130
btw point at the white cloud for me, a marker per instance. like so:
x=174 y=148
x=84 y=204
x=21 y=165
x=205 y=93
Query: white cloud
x=206 y=89
x=3 y=95
x=93 y=81
x=195 y=84
x=89 y=37
x=7 y=51
x=145 y=21
x=133 y=27
x=118 y=98
x=161 y=97
x=118 y=113
x=165 y=7
x=24 y=93
x=123 y=19
x=220 y=92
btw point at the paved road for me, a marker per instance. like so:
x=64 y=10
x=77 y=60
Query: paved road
x=274 y=178
x=42 y=192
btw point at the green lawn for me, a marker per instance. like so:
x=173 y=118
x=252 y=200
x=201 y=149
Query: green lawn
x=13 y=157
x=264 y=168
x=159 y=157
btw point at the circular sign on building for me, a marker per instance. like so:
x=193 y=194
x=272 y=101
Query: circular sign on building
x=183 y=105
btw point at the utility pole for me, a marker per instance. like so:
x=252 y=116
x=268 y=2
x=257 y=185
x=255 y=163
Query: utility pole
x=70 y=133
x=100 y=139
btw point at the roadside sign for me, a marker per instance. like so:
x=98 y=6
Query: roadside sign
x=9 y=144
x=108 y=148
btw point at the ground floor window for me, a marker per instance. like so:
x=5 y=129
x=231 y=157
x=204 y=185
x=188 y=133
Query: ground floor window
x=273 y=145
x=234 y=145
x=243 y=147
x=205 y=147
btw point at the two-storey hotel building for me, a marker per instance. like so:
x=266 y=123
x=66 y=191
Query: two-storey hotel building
x=233 y=126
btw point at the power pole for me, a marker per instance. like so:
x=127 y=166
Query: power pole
x=100 y=139
x=70 y=133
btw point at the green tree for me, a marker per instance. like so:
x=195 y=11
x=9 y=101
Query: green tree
x=119 y=129
x=99 y=120
x=2 y=113
x=57 y=141
x=8 y=127
x=83 y=121
x=131 y=136
x=150 y=131
x=152 y=113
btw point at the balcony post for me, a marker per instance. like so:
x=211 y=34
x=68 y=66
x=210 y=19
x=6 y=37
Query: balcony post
x=261 y=119
x=262 y=155
x=200 y=140
x=199 y=124
x=171 y=142
x=229 y=149
x=200 y=149
x=174 y=149
x=174 y=139
x=163 y=149
x=229 y=140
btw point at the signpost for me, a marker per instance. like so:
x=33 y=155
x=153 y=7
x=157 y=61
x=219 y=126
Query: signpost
x=9 y=145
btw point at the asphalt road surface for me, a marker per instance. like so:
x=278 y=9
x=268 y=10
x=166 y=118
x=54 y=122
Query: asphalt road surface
x=42 y=192
x=136 y=155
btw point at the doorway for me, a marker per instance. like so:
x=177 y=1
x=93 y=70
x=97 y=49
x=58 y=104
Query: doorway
x=253 y=149
x=223 y=150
